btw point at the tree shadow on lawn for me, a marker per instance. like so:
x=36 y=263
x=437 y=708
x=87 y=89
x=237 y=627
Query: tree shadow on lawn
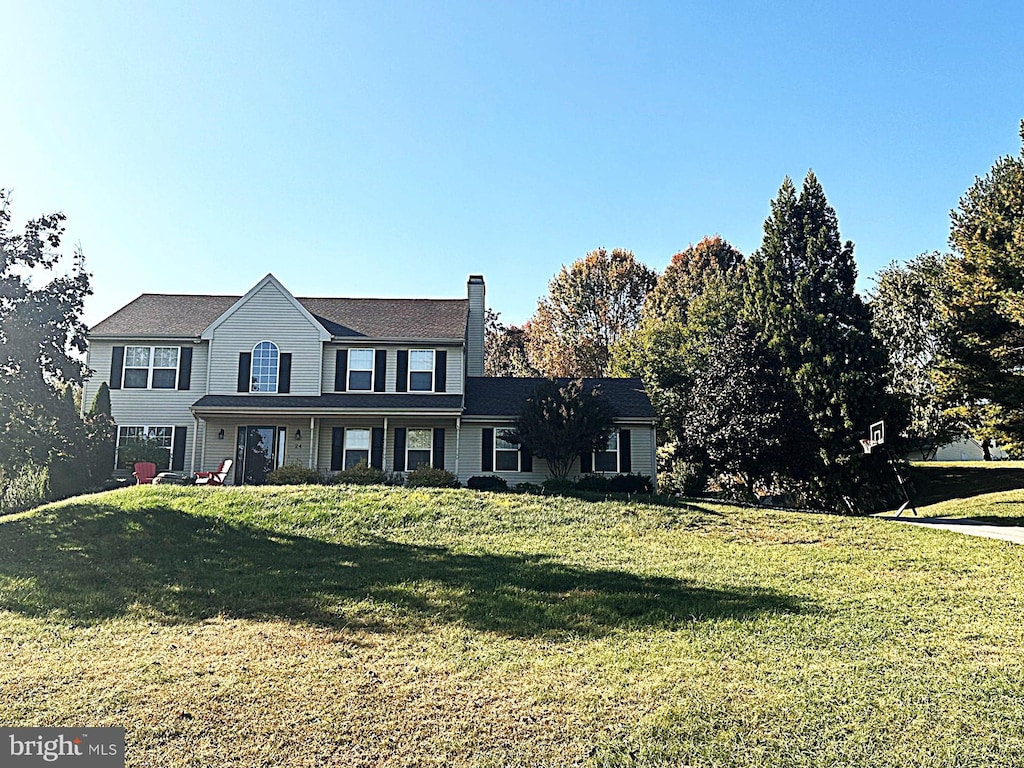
x=89 y=563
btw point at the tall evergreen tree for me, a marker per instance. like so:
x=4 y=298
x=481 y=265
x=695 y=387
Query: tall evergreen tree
x=801 y=295
x=983 y=361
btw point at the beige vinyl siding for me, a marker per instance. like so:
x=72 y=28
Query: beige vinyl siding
x=643 y=448
x=453 y=369
x=214 y=449
x=98 y=361
x=150 y=407
x=327 y=426
x=267 y=316
x=470 y=460
x=642 y=453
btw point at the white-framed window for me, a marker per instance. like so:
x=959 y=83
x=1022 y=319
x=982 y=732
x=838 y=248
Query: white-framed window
x=419 y=446
x=144 y=442
x=506 y=455
x=608 y=459
x=265 y=359
x=150 y=367
x=357 y=447
x=421 y=370
x=360 y=370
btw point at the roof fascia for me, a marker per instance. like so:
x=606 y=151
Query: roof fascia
x=396 y=340
x=144 y=337
x=212 y=410
x=268 y=280
x=477 y=418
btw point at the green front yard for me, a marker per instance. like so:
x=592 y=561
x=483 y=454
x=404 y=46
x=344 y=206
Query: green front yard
x=389 y=627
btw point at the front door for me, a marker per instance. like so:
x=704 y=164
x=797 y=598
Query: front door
x=256 y=454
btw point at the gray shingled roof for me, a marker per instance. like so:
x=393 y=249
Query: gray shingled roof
x=494 y=396
x=159 y=314
x=155 y=315
x=404 y=402
x=391 y=318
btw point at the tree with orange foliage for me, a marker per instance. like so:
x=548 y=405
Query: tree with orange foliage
x=590 y=305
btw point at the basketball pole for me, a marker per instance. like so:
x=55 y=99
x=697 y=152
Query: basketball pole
x=876 y=437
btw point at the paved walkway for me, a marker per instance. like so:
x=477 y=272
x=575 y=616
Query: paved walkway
x=1013 y=533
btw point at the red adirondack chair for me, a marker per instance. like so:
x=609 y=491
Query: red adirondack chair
x=144 y=472
x=216 y=477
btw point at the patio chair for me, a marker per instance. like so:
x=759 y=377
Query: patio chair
x=217 y=477
x=144 y=472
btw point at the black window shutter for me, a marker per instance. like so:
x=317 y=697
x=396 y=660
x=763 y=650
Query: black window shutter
x=178 y=451
x=525 y=459
x=380 y=370
x=487 y=450
x=185 y=368
x=377 y=448
x=116 y=367
x=625 y=452
x=586 y=463
x=340 y=370
x=337 y=448
x=244 y=371
x=284 y=373
x=440 y=371
x=399 y=449
x=438 y=448
x=402 y=381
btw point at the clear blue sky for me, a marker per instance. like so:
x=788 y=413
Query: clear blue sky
x=392 y=149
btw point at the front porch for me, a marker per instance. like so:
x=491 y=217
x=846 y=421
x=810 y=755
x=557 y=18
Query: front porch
x=260 y=439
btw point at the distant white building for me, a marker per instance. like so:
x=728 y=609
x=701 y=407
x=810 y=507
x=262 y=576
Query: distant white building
x=967 y=449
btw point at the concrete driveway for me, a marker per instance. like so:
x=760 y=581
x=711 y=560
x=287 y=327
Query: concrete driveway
x=1012 y=533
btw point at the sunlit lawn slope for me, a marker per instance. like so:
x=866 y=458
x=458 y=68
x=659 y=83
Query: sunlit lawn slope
x=386 y=627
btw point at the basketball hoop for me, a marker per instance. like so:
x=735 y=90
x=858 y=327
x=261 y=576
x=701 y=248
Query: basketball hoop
x=867 y=445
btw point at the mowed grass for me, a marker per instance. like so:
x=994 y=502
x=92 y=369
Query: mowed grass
x=391 y=627
x=939 y=481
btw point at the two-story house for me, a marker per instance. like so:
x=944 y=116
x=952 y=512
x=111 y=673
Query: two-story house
x=267 y=379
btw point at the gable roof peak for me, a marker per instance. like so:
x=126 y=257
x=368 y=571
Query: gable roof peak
x=268 y=280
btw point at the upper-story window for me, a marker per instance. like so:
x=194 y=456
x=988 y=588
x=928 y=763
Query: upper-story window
x=421 y=370
x=360 y=370
x=150 y=367
x=265 y=358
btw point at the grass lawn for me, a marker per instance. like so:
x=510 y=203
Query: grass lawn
x=387 y=627
x=939 y=481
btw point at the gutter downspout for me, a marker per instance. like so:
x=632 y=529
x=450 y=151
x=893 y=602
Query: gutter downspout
x=458 y=440
x=195 y=441
x=314 y=443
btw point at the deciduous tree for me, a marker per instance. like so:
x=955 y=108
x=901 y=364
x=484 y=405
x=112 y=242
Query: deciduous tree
x=40 y=333
x=505 y=348
x=906 y=319
x=747 y=417
x=590 y=305
x=696 y=301
x=559 y=421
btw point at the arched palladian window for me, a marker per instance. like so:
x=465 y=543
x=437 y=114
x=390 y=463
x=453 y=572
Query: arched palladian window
x=265 y=357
